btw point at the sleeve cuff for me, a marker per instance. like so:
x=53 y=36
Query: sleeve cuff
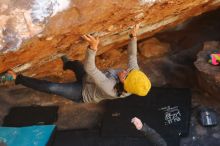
x=144 y=128
x=90 y=51
x=132 y=37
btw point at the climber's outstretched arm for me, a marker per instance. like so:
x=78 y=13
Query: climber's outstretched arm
x=132 y=48
x=89 y=65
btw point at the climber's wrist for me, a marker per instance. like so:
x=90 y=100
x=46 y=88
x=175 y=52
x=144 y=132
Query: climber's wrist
x=132 y=36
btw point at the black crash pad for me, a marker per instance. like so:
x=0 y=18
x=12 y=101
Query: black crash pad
x=117 y=129
x=171 y=103
x=31 y=115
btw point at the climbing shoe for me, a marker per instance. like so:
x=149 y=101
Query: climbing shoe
x=5 y=77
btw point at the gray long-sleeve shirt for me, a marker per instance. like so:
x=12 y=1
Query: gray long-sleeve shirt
x=98 y=85
x=153 y=136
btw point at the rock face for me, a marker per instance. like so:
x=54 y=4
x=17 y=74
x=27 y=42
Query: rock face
x=35 y=33
x=208 y=75
x=175 y=69
x=153 y=48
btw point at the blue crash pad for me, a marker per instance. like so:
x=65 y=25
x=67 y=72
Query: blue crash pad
x=26 y=136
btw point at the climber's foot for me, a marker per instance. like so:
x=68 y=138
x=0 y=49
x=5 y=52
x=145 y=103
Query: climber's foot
x=7 y=76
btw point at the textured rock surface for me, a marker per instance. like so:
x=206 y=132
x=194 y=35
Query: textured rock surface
x=39 y=32
x=175 y=69
x=153 y=48
x=208 y=75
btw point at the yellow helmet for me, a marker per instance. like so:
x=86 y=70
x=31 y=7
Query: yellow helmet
x=137 y=83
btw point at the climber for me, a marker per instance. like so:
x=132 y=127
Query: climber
x=150 y=133
x=93 y=85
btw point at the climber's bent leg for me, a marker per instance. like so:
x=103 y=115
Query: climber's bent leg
x=77 y=67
